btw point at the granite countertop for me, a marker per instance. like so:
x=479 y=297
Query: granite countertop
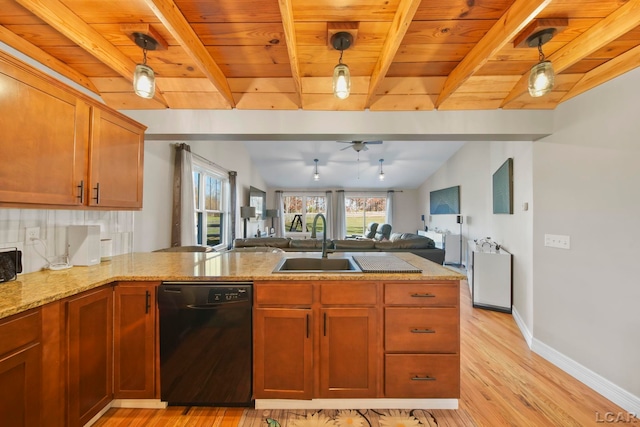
x=39 y=288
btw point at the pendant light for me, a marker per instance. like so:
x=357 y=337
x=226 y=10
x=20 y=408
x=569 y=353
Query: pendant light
x=316 y=175
x=381 y=176
x=144 y=80
x=341 y=75
x=541 y=76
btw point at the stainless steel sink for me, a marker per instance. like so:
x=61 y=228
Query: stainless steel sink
x=317 y=265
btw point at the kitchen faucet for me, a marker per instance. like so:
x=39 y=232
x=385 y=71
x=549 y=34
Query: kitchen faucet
x=324 y=232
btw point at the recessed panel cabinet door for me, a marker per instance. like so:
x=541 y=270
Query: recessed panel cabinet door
x=90 y=354
x=20 y=371
x=134 y=340
x=348 y=352
x=43 y=141
x=283 y=353
x=116 y=168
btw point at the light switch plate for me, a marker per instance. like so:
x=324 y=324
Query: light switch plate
x=557 y=241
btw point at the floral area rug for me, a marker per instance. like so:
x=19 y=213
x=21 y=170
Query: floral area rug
x=355 y=418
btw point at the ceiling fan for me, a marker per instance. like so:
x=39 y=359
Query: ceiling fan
x=359 y=146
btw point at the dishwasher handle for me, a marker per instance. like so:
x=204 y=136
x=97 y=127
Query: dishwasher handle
x=214 y=305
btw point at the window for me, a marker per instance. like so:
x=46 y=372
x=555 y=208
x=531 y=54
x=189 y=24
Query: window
x=211 y=188
x=299 y=211
x=360 y=211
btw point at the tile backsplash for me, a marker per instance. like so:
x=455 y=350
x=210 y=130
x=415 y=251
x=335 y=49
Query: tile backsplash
x=52 y=243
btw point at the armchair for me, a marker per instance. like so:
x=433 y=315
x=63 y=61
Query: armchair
x=383 y=232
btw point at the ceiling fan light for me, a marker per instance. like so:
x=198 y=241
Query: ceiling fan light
x=341 y=81
x=541 y=79
x=144 y=81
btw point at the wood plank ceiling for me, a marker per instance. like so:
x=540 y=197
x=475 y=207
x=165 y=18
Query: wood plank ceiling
x=275 y=54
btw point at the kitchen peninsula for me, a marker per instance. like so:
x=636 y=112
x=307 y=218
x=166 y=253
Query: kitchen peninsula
x=319 y=339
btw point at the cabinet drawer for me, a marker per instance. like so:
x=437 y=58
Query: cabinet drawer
x=19 y=330
x=429 y=330
x=422 y=375
x=352 y=293
x=283 y=293
x=421 y=294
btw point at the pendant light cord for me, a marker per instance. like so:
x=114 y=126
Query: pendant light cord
x=540 y=52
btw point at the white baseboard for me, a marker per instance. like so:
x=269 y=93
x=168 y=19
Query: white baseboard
x=606 y=388
x=99 y=415
x=599 y=384
x=526 y=333
x=357 y=404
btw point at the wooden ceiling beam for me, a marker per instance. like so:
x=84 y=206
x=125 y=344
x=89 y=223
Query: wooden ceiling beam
x=605 y=72
x=519 y=15
x=286 y=11
x=75 y=29
x=34 y=52
x=401 y=21
x=618 y=23
x=174 y=21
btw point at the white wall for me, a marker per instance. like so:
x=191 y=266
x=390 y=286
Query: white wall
x=472 y=168
x=586 y=186
x=153 y=223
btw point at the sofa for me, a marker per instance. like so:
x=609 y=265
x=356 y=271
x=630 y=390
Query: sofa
x=398 y=242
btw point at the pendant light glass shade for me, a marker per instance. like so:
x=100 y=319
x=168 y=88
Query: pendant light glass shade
x=144 y=81
x=541 y=79
x=316 y=175
x=341 y=81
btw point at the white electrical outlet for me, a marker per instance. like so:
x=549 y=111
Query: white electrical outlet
x=557 y=241
x=31 y=234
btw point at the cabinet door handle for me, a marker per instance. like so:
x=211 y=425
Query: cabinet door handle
x=81 y=191
x=97 y=198
x=422 y=331
x=308 y=324
x=427 y=295
x=325 y=324
x=147 y=302
x=427 y=378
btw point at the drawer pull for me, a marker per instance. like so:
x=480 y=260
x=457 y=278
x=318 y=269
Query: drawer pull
x=423 y=331
x=427 y=378
x=427 y=295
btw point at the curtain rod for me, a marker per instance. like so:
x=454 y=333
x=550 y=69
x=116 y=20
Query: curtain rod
x=182 y=144
x=369 y=191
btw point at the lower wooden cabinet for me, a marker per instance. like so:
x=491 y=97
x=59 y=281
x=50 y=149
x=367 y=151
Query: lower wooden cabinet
x=283 y=353
x=89 y=354
x=349 y=352
x=422 y=375
x=422 y=340
x=20 y=370
x=316 y=340
x=134 y=340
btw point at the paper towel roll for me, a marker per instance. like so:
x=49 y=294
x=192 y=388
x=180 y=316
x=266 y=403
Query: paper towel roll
x=106 y=249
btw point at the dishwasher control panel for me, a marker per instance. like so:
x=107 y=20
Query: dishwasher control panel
x=227 y=295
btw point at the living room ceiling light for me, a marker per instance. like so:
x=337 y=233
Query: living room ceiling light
x=316 y=175
x=144 y=80
x=541 y=76
x=381 y=176
x=341 y=75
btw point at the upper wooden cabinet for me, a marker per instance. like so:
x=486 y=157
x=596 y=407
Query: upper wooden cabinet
x=59 y=145
x=117 y=149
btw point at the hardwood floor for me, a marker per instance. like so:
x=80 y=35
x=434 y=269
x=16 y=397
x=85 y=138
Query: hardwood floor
x=503 y=383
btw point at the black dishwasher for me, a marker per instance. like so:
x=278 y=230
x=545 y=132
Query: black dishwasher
x=205 y=343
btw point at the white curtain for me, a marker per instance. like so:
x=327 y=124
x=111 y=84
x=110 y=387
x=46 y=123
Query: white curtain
x=280 y=207
x=340 y=229
x=183 y=232
x=389 y=211
x=330 y=216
